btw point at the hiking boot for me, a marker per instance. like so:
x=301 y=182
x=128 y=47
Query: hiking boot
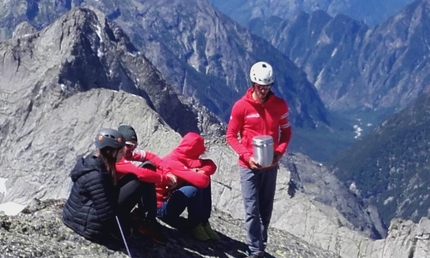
x=154 y=231
x=210 y=232
x=199 y=233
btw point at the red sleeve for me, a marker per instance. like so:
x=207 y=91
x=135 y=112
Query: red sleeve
x=141 y=155
x=234 y=126
x=144 y=174
x=138 y=155
x=208 y=166
x=286 y=132
x=188 y=175
x=155 y=159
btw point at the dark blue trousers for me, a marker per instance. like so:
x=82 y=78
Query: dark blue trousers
x=197 y=201
x=258 y=192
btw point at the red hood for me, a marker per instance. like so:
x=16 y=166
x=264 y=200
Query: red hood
x=190 y=148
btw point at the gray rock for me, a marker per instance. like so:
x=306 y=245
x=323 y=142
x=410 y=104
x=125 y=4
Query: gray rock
x=405 y=239
x=23 y=29
x=39 y=232
x=316 y=180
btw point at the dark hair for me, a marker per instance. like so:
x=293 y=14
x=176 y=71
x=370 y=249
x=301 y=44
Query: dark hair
x=109 y=160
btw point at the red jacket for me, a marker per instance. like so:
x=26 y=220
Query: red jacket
x=181 y=162
x=125 y=165
x=250 y=118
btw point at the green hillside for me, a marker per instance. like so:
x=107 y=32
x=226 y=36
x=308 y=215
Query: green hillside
x=390 y=166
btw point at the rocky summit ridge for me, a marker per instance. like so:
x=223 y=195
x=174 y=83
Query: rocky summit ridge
x=39 y=232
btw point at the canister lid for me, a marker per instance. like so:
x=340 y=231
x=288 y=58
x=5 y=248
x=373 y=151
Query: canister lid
x=262 y=140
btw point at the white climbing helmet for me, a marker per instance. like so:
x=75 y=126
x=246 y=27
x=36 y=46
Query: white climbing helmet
x=262 y=73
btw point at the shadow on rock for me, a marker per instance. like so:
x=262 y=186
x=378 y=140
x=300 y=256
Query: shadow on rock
x=182 y=244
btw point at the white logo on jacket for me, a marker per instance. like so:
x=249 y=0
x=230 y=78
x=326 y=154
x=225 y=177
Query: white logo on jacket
x=255 y=115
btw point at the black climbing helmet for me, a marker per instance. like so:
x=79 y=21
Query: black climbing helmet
x=107 y=137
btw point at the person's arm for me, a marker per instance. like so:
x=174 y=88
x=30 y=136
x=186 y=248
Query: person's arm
x=138 y=155
x=199 y=180
x=142 y=155
x=143 y=174
x=208 y=166
x=156 y=160
x=285 y=130
x=234 y=126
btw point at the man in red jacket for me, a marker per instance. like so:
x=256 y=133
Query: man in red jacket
x=259 y=112
x=148 y=174
x=193 y=190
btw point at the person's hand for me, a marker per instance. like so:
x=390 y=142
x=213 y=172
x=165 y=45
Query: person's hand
x=201 y=172
x=198 y=170
x=253 y=164
x=276 y=157
x=173 y=180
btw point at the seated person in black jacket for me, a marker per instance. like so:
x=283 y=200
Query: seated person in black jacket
x=97 y=198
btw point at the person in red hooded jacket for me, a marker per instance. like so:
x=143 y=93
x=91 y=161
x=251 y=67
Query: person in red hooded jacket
x=259 y=112
x=193 y=189
x=150 y=171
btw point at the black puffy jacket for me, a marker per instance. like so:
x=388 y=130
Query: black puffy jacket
x=91 y=207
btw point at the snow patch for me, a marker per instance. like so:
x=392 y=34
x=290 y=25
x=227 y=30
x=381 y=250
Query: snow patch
x=3 y=185
x=100 y=53
x=63 y=87
x=134 y=53
x=388 y=200
x=11 y=208
x=334 y=52
x=99 y=33
x=358 y=131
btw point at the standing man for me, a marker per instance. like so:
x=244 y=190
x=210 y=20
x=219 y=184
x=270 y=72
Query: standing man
x=259 y=112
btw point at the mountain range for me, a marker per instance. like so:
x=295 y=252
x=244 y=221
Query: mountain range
x=368 y=11
x=205 y=55
x=60 y=84
x=391 y=164
x=63 y=80
x=364 y=73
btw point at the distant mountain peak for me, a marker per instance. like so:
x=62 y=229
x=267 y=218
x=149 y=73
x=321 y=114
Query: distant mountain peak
x=204 y=55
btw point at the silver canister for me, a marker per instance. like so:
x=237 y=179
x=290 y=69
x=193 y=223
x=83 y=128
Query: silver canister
x=263 y=150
